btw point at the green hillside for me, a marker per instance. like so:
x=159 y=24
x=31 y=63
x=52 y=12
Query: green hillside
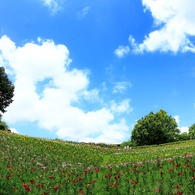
x=46 y=167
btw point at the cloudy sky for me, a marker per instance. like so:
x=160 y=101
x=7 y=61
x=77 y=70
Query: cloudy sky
x=88 y=70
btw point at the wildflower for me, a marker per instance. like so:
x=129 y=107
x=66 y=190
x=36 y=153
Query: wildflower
x=26 y=187
x=158 y=190
x=32 y=181
x=44 y=193
x=8 y=177
x=117 y=177
x=81 y=192
x=171 y=170
x=15 y=190
x=134 y=182
x=115 y=185
x=40 y=185
x=179 y=174
x=57 y=187
x=108 y=176
x=51 y=177
x=178 y=165
x=178 y=187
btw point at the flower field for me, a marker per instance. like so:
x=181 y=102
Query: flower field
x=48 y=167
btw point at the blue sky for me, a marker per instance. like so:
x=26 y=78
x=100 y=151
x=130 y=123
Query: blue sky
x=88 y=70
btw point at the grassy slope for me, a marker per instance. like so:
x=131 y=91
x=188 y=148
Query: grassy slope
x=24 y=159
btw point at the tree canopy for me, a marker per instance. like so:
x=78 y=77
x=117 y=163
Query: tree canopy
x=192 y=132
x=6 y=91
x=155 y=129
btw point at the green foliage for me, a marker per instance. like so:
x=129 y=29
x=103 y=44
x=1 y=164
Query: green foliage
x=127 y=143
x=40 y=166
x=184 y=136
x=155 y=129
x=192 y=132
x=6 y=91
x=3 y=126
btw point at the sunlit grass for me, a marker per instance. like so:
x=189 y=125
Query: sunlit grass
x=41 y=166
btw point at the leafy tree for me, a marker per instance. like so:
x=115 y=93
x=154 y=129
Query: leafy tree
x=4 y=126
x=184 y=136
x=155 y=129
x=6 y=91
x=192 y=132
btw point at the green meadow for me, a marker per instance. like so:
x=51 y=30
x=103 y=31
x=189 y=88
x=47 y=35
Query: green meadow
x=47 y=167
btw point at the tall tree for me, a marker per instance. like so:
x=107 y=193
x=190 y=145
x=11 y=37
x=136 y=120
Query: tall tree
x=155 y=129
x=192 y=132
x=6 y=91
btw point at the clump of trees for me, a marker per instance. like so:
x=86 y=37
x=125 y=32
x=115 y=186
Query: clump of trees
x=6 y=95
x=192 y=132
x=155 y=128
x=158 y=128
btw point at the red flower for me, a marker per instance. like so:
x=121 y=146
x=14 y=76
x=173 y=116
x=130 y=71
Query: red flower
x=134 y=182
x=57 y=187
x=178 y=165
x=108 y=176
x=32 y=181
x=8 y=177
x=51 y=177
x=158 y=190
x=116 y=185
x=40 y=185
x=179 y=174
x=178 y=187
x=117 y=177
x=81 y=192
x=26 y=187
x=171 y=170
x=96 y=170
x=15 y=190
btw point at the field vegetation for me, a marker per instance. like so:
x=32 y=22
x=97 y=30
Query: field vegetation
x=46 y=167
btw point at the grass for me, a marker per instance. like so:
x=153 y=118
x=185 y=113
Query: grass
x=45 y=167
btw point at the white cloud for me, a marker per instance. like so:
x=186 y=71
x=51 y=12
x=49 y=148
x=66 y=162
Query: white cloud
x=174 y=25
x=121 y=107
x=13 y=130
x=176 y=117
x=121 y=51
x=121 y=87
x=48 y=92
x=182 y=129
x=81 y=14
x=53 y=5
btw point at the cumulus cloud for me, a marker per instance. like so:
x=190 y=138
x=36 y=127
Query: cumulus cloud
x=49 y=93
x=13 y=130
x=182 y=129
x=81 y=14
x=173 y=28
x=53 y=5
x=121 y=51
x=121 y=107
x=121 y=87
